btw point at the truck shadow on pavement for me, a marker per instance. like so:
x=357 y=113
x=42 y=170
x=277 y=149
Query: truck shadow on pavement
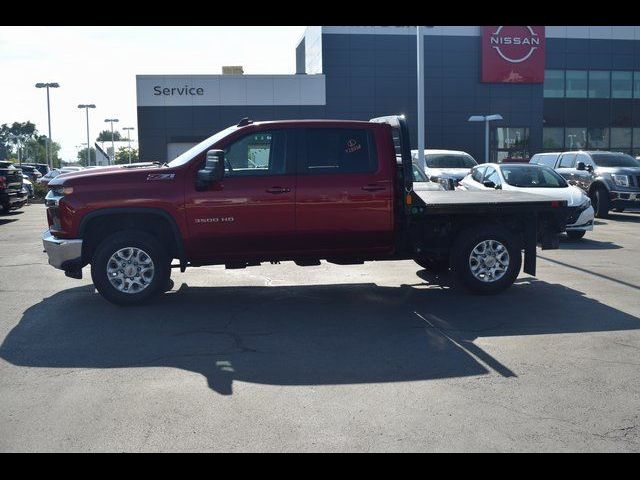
x=302 y=335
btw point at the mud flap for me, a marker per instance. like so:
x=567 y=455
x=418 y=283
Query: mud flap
x=530 y=241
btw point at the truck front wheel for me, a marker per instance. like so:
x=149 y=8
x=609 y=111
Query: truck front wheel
x=130 y=267
x=486 y=260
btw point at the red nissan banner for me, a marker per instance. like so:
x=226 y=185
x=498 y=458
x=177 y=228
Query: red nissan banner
x=513 y=54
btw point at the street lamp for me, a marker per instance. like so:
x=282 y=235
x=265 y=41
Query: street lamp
x=48 y=142
x=128 y=129
x=486 y=119
x=421 y=106
x=86 y=108
x=113 y=145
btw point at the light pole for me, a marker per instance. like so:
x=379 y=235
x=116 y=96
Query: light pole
x=421 y=106
x=113 y=145
x=128 y=129
x=86 y=108
x=486 y=119
x=48 y=142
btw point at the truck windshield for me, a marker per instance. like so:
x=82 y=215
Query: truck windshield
x=200 y=147
x=614 y=160
x=532 y=176
x=448 y=160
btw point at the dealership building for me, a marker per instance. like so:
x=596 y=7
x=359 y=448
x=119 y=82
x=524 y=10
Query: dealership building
x=556 y=87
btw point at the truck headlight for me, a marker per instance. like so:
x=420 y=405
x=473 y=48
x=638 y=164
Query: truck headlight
x=61 y=191
x=620 y=180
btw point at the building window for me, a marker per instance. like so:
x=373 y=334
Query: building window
x=575 y=138
x=553 y=138
x=576 y=84
x=621 y=139
x=554 y=83
x=598 y=138
x=621 y=84
x=599 y=84
x=636 y=84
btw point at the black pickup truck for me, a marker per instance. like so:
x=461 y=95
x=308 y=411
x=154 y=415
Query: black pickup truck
x=12 y=195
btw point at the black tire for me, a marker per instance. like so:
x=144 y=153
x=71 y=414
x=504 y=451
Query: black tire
x=464 y=245
x=433 y=265
x=4 y=208
x=601 y=202
x=136 y=239
x=576 y=234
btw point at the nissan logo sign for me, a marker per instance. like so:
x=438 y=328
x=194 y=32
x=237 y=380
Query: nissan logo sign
x=513 y=54
x=514 y=47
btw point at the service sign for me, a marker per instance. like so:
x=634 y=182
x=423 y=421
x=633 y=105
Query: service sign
x=513 y=54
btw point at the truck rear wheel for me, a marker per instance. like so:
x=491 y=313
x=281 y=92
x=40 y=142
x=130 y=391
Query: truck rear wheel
x=130 y=267
x=486 y=260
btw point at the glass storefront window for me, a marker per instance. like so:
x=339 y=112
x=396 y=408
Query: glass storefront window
x=598 y=138
x=554 y=83
x=621 y=139
x=621 y=84
x=553 y=138
x=575 y=138
x=576 y=84
x=599 y=84
x=510 y=143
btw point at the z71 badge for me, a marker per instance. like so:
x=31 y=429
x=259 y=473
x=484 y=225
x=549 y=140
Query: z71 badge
x=214 y=220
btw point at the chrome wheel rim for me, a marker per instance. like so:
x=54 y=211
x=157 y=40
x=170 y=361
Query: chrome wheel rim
x=130 y=270
x=489 y=261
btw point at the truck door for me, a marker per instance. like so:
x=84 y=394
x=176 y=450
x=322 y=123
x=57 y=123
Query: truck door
x=566 y=167
x=251 y=211
x=344 y=201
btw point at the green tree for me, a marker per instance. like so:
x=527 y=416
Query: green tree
x=82 y=156
x=122 y=155
x=105 y=136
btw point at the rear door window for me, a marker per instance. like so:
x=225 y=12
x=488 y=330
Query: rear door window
x=339 y=150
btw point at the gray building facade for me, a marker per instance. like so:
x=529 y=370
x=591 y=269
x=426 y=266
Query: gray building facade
x=590 y=97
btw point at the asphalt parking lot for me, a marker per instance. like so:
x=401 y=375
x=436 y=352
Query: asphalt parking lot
x=380 y=357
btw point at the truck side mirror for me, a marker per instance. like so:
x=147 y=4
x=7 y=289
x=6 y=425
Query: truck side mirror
x=581 y=166
x=213 y=170
x=489 y=184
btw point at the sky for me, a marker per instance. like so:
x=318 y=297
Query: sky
x=99 y=65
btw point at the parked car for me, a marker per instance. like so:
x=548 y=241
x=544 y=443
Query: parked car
x=612 y=180
x=45 y=179
x=447 y=167
x=536 y=179
x=55 y=172
x=300 y=190
x=31 y=172
x=28 y=186
x=43 y=168
x=12 y=195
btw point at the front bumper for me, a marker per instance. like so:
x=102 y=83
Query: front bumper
x=625 y=199
x=13 y=200
x=584 y=221
x=63 y=253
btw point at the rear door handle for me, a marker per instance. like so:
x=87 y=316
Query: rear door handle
x=278 y=190
x=373 y=188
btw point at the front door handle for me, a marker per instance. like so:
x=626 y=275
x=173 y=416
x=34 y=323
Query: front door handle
x=278 y=190
x=373 y=188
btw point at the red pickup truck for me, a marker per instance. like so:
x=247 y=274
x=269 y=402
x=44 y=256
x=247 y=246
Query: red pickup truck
x=302 y=191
